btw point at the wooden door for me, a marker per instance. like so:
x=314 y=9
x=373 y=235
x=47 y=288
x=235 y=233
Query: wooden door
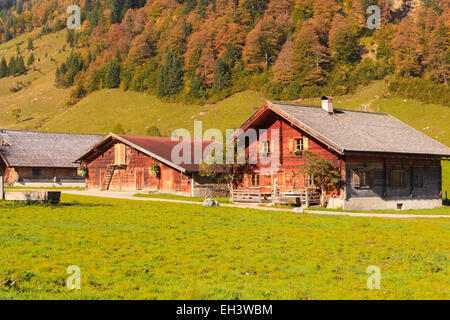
x=139 y=179
x=166 y=180
x=101 y=175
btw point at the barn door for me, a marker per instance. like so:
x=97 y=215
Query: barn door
x=139 y=179
x=101 y=175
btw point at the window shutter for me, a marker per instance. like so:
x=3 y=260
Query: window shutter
x=305 y=144
x=291 y=145
x=116 y=153
x=355 y=179
x=272 y=146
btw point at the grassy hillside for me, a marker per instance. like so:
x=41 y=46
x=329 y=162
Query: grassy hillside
x=99 y=112
x=41 y=100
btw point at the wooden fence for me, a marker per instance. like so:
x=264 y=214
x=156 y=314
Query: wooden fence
x=302 y=196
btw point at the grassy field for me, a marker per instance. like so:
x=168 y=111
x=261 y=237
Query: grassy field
x=444 y=210
x=154 y=250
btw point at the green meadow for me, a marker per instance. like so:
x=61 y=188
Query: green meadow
x=154 y=250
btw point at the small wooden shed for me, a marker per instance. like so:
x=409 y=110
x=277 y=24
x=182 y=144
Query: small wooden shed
x=40 y=159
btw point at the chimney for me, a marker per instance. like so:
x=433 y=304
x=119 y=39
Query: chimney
x=327 y=104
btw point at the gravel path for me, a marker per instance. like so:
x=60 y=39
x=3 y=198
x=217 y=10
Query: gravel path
x=129 y=196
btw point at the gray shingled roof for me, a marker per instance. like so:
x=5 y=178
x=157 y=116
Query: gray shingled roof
x=39 y=149
x=351 y=130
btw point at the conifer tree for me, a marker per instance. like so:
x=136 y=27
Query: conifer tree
x=170 y=77
x=20 y=66
x=112 y=78
x=12 y=66
x=3 y=68
x=30 y=60
x=222 y=75
x=30 y=45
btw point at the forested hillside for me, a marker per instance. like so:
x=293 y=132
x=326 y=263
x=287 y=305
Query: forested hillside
x=197 y=51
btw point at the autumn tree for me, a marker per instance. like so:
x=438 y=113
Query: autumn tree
x=310 y=59
x=324 y=172
x=141 y=50
x=264 y=42
x=303 y=10
x=283 y=70
x=406 y=47
x=219 y=167
x=343 y=41
x=437 y=61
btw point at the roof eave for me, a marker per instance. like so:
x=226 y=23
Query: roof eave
x=396 y=154
x=5 y=160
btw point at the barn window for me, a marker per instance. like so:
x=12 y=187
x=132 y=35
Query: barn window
x=255 y=180
x=398 y=179
x=35 y=172
x=418 y=181
x=119 y=154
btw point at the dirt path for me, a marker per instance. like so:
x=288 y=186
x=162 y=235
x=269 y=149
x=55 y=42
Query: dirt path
x=129 y=196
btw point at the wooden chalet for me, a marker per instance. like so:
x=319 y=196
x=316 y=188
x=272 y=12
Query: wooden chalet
x=136 y=163
x=384 y=163
x=39 y=159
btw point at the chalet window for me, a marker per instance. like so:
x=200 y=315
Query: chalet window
x=364 y=179
x=310 y=180
x=298 y=145
x=119 y=154
x=35 y=172
x=418 y=181
x=265 y=148
x=398 y=179
x=255 y=180
x=361 y=179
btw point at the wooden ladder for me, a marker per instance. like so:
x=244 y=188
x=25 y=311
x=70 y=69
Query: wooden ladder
x=110 y=168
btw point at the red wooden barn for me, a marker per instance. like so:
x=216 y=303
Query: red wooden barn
x=384 y=163
x=123 y=162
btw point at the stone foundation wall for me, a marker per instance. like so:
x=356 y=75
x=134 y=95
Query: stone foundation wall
x=211 y=190
x=390 y=204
